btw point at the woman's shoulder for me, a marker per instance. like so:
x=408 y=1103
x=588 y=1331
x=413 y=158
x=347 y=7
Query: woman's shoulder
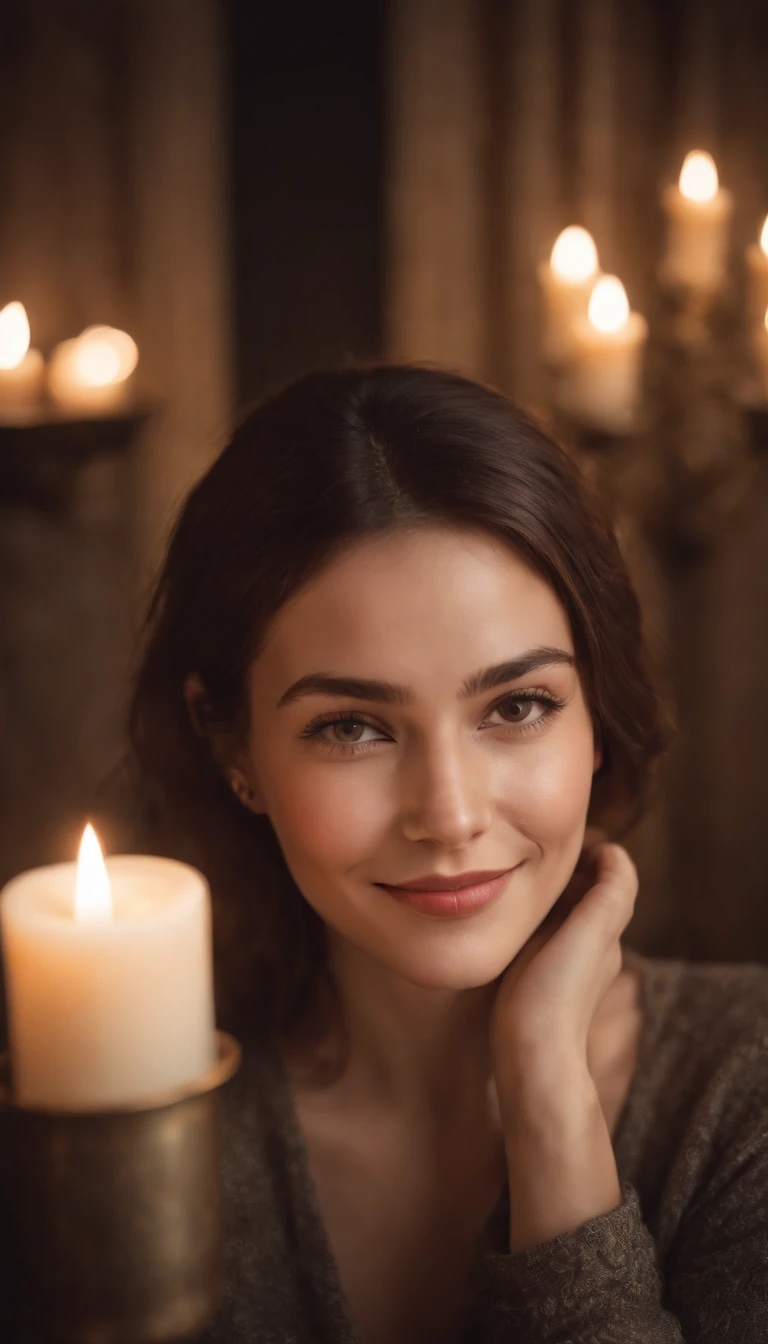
x=700 y=1097
x=701 y=1075
x=715 y=1006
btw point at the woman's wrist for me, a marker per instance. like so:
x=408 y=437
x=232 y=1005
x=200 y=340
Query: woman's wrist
x=541 y=1075
x=560 y=1162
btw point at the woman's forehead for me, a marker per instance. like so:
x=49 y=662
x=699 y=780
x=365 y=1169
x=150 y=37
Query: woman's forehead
x=434 y=569
x=420 y=607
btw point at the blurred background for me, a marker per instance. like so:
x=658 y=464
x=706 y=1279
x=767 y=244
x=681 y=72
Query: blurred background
x=253 y=190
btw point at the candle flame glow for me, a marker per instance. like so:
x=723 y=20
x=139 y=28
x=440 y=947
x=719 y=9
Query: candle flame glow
x=698 y=177
x=574 y=255
x=14 y=335
x=764 y=237
x=104 y=355
x=93 y=896
x=608 y=305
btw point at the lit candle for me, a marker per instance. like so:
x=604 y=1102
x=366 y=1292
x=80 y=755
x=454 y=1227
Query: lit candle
x=566 y=282
x=91 y=374
x=109 y=979
x=698 y=211
x=757 y=269
x=21 y=369
x=603 y=384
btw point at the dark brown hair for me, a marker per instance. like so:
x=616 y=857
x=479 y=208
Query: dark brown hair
x=336 y=456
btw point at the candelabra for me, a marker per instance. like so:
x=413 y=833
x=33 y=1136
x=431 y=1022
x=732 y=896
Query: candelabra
x=670 y=437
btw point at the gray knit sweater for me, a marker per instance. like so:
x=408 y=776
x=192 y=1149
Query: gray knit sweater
x=684 y=1257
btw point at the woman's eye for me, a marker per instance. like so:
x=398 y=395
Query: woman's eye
x=521 y=709
x=347 y=729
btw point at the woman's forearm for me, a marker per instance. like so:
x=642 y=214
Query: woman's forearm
x=560 y=1160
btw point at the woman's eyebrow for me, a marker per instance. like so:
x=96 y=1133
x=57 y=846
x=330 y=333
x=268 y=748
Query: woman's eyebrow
x=391 y=693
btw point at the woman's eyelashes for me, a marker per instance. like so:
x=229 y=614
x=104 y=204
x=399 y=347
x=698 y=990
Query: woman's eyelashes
x=521 y=722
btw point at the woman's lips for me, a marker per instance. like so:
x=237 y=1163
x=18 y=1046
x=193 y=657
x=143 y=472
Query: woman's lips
x=463 y=901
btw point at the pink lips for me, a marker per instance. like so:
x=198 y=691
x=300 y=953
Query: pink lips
x=439 y=882
x=462 y=901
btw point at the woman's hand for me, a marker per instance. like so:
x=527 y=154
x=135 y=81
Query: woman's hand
x=560 y=1160
x=550 y=994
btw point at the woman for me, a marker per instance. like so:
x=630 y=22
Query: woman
x=394 y=646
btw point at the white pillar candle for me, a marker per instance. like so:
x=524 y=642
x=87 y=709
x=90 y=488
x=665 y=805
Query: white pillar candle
x=698 y=212
x=109 y=979
x=757 y=285
x=566 y=282
x=21 y=369
x=602 y=388
x=91 y=374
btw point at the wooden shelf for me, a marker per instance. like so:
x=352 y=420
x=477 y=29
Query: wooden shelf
x=40 y=460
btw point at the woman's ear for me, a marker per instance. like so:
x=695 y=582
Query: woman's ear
x=224 y=744
x=597 y=760
x=221 y=741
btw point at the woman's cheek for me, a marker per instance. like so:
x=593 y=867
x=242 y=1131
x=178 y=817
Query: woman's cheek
x=549 y=796
x=329 y=814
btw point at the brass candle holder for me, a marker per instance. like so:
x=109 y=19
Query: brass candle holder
x=116 y=1212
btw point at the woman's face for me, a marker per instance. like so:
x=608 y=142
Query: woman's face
x=444 y=783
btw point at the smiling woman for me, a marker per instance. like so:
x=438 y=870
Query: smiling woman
x=368 y=507
x=393 y=674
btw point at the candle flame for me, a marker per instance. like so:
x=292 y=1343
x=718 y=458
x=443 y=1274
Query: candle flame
x=698 y=177
x=14 y=335
x=608 y=305
x=574 y=255
x=764 y=237
x=93 y=897
x=103 y=355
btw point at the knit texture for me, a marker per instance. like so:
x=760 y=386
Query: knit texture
x=684 y=1257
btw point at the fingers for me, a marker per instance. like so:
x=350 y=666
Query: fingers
x=617 y=882
x=613 y=862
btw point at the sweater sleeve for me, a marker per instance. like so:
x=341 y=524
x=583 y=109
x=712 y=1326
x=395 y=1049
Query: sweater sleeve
x=600 y=1284
x=603 y=1283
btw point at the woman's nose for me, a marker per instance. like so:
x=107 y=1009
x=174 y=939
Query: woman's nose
x=448 y=797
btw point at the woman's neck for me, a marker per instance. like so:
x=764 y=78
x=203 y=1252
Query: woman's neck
x=381 y=1041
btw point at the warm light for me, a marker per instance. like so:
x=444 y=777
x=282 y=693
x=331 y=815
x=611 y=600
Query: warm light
x=766 y=319
x=121 y=343
x=14 y=335
x=103 y=355
x=764 y=237
x=96 y=363
x=93 y=897
x=608 y=305
x=698 y=177
x=574 y=255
